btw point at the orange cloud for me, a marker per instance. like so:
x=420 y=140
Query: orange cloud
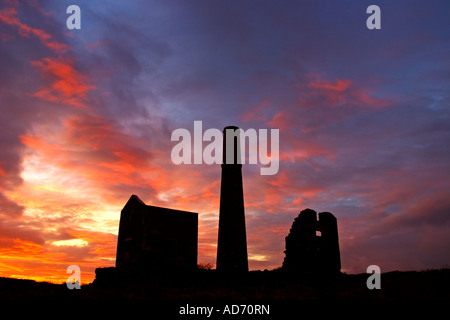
x=284 y=120
x=101 y=245
x=92 y=147
x=9 y=17
x=281 y=180
x=28 y=260
x=340 y=92
x=339 y=85
x=24 y=259
x=68 y=86
x=364 y=99
x=256 y=113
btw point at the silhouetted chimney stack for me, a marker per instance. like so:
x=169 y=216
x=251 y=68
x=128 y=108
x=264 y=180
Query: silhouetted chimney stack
x=232 y=242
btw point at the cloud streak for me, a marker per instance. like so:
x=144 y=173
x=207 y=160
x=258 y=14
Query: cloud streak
x=9 y=17
x=68 y=87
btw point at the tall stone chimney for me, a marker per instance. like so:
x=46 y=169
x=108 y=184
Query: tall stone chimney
x=232 y=242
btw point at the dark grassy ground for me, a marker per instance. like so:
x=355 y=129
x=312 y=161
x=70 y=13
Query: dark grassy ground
x=284 y=292
x=274 y=285
x=432 y=285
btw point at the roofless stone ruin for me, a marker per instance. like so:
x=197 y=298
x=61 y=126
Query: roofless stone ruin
x=312 y=245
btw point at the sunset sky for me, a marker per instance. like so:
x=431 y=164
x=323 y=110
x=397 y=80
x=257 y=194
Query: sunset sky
x=87 y=116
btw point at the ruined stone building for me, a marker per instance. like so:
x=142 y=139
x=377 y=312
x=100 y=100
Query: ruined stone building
x=154 y=238
x=312 y=245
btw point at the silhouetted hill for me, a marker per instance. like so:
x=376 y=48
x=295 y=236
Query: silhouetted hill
x=210 y=286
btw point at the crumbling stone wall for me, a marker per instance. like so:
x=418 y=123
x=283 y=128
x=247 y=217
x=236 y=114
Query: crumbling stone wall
x=312 y=245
